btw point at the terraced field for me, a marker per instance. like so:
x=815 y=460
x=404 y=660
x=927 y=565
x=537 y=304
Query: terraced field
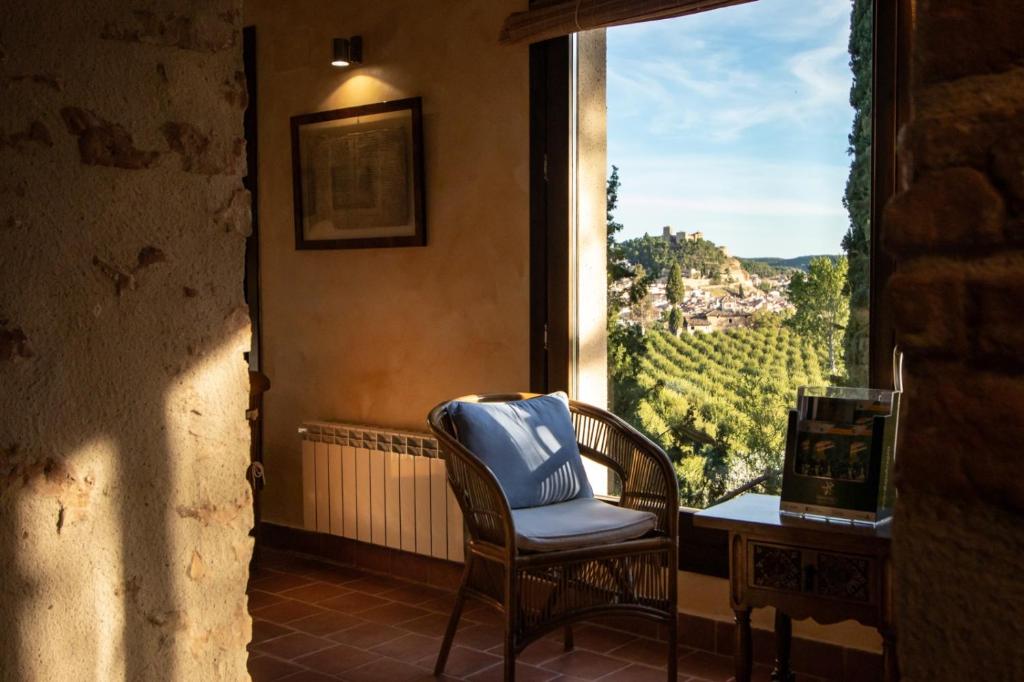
x=734 y=386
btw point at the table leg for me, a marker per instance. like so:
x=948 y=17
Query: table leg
x=783 y=640
x=890 y=666
x=744 y=653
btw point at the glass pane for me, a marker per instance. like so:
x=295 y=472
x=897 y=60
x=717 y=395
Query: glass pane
x=738 y=227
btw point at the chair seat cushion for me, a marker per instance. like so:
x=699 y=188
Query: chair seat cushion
x=529 y=445
x=583 y=522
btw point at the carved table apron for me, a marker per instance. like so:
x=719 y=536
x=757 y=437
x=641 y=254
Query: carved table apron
x=806 y=568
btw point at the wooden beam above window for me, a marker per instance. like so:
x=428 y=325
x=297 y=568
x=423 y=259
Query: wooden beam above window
x=556 y=19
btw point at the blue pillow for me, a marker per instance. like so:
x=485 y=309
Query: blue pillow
x=529 y=445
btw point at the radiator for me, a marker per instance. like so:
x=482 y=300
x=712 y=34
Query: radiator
x=379 y=486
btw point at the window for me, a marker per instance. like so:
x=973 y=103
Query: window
x=739 y=194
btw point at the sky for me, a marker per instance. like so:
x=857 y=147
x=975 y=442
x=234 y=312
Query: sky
x=734 y=122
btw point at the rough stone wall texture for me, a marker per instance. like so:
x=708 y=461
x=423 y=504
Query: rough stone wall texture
x=124 y=510
x=957 y=234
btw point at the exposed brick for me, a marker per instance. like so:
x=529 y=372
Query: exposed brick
x=963 y=38
x=961 y=432
x=955 y=207
x=961 y=123
x=928 y=308
x=1008 y=168
x=202 y=32
x=997 y=300
x=102 y=143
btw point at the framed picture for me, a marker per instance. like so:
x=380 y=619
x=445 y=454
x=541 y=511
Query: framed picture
x=357 y=175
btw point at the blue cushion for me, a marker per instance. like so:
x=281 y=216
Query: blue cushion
x=529 y=445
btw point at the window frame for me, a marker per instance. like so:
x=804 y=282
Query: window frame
x=552 y=96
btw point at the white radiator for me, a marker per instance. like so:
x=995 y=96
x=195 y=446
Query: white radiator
x=379 y=486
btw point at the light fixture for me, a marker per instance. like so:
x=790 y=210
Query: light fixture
x=347 y=51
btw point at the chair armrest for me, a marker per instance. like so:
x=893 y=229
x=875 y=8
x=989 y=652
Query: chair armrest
x=649 y=480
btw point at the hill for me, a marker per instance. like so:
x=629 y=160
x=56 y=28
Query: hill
x=798 y=263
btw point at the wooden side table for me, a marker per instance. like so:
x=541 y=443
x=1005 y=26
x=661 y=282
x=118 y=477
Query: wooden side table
x=805 y=568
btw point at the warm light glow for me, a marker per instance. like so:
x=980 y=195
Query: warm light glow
x=339 y=62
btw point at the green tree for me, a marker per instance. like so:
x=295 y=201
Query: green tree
x=822 y=305
x=857 y=198
x=674 y=288
x=626 y=345
x=675 y=319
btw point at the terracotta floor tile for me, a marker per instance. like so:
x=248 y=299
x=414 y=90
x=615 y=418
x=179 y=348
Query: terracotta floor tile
x=432 y=625
x=337 y=659
x=410 y=648
x=286 y=610
x=537 y=652
x=353 y=602
x=293 y=645
x=707 y=666
x=315 y=592
x=584 y=664
x=368 y=635
x=649 y=652
x=262 y=630
x=482 y=637
x=415 y=595
x=639 y=673
x=524 y=673
x=309 y=676
x=326 y=623
x=387 y=670
x=374 y=584
x=463 y=661
x=278 y=581
x=483 y=613
x=266 y=668
x=258 y=599
x=392 y=614
x=441 y=604
x=597 y=638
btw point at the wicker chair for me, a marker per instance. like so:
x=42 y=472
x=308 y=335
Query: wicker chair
x=539 y=592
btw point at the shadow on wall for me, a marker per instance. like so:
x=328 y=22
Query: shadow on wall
x=124 y=509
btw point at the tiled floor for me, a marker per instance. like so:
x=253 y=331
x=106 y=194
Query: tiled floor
x=317 y=621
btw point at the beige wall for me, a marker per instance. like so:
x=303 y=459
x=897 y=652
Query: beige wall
x=124 y=511
x=379 y=336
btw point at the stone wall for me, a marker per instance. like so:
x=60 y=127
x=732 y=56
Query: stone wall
x=956 y=234
x=124 y=510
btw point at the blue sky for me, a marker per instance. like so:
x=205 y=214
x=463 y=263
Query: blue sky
x=735 y=122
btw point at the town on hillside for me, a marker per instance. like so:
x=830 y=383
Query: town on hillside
x=719 y=293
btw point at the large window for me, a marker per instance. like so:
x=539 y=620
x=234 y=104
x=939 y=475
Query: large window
x=739 y=206
x=743 y=154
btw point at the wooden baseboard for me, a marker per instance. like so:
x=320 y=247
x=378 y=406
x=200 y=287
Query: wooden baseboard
x=406 y=565
x=809 y=657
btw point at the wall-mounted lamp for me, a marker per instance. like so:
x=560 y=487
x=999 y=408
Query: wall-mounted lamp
x=347 y=51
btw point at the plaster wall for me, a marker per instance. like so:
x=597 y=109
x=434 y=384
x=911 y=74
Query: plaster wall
x=124 y=511
x=957 y=234
x=380 y=336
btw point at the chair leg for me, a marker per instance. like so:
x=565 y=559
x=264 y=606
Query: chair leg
x=453 y=621
x=568 y=638
x=510 y=657
x=673 y=648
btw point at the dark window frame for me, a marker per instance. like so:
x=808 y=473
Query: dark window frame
x=701 y=551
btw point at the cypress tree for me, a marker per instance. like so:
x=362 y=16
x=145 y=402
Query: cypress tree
x=857 y=198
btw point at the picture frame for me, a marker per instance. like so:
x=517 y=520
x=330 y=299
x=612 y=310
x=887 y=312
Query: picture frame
x=357 y=177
